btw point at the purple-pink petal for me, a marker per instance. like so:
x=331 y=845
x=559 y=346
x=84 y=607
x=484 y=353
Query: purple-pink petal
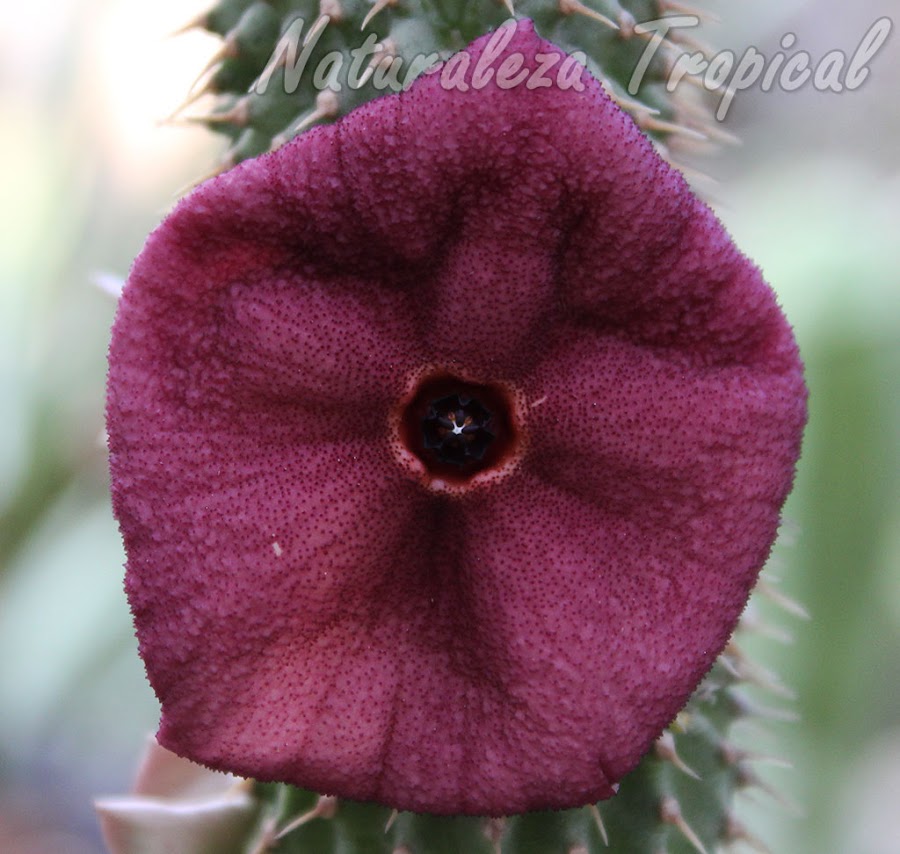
x=315 y=604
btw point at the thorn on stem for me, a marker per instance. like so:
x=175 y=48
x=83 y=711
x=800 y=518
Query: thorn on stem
x=631 y=105
x=192 y=98
x=326 y=807
x=229 y=50
x=378 y=6
x=768 y=589
x=227 y=162
x=747 y=778
x=332 y=9
x=598 y=820
x=747 y=708
x=238 y=115
x=327 y=107
x=493 y=830
x=649 y=122
x=670 y=813
x=742 y=667
x=751 y=622
x=688 y=9
x=736 y=832
x=576 y=7
x=665 y=750
x=200 y=22
x=733 y=755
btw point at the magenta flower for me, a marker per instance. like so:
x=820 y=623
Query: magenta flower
x=447 y=443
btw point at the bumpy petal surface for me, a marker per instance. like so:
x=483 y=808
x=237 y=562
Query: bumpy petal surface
x=310 y=612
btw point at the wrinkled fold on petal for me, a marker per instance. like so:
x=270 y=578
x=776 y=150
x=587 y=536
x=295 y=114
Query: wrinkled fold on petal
x=491 y=299
x=607 y=630
x=462 y=198
x=231 y=334
x=673 y=280
x=646 y=434
x=255 y=596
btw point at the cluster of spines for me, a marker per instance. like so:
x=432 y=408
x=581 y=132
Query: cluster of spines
x=255 y=99
x=680 y=799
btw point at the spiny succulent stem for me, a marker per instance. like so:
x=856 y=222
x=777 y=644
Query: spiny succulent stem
x=261 y=39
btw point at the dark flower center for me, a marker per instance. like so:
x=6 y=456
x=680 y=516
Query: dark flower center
x=459 y=428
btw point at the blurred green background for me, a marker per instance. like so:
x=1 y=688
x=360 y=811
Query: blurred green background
x=86 y=171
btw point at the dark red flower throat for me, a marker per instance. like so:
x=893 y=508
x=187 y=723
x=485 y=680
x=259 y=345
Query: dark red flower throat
x=458 y=428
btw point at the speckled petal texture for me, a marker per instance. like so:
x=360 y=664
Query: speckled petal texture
x=308 y=611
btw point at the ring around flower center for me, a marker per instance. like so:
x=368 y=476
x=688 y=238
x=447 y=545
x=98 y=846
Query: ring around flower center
x=457 y=428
